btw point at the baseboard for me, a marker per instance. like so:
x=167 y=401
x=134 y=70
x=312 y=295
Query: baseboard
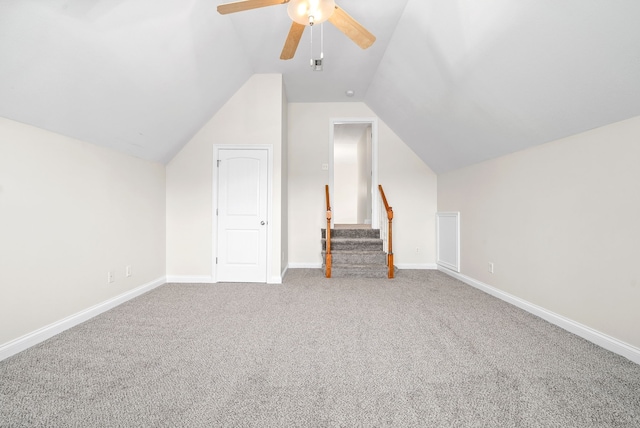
x=603 y=340
x=189 y=279
x=305 y=265
x=276 y=279
x=28 y=340
x=203 y=279
x=398 y=265
x=429 y=266
x=279 y=279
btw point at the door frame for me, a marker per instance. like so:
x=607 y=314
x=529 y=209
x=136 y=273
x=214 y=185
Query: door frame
x=373 y=121
x=216 y=155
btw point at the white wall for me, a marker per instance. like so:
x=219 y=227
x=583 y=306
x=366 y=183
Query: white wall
x=252 y=116
x=346 y=176
x=364 y=177
x=561 y=223
x=409 y=184
x=351 y=194
x=69 y=213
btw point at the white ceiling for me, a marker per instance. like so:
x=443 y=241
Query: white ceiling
x=460 y=81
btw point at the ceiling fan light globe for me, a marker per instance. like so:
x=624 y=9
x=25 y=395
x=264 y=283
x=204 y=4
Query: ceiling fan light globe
x=320 y=10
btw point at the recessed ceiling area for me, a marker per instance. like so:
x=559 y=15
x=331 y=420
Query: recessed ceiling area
x=459 y=81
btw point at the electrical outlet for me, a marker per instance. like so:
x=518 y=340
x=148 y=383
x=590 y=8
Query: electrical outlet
x=490 y=267
x=111 y=277
x=128 y=271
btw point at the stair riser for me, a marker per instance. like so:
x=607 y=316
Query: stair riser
x=354 y=246
x=377 y=258
x=346 y=272
x=352 y=233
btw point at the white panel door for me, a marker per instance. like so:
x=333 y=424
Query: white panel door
x=242 y=216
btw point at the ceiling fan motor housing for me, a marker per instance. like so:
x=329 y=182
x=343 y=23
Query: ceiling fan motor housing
x=309 y=12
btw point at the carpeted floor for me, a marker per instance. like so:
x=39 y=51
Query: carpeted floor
x=422 y=350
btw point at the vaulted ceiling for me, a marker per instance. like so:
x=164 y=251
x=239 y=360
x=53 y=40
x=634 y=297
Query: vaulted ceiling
x=460 y=81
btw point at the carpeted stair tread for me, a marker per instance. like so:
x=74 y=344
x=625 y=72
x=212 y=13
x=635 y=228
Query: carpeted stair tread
x=357 y=257
x=356 y=251
x=359 y=266
x=363 y=240
x=353 y=244
x=351 y=233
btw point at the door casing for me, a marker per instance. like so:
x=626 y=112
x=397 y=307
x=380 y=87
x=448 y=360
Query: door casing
x=374 y=160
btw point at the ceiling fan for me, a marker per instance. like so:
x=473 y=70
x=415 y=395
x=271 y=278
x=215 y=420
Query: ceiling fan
x=307 y=13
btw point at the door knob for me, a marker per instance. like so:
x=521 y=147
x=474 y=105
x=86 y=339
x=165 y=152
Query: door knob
x=262 y=223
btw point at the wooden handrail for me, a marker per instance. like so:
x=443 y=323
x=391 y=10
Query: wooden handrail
x=390 y=233
x=327 y=256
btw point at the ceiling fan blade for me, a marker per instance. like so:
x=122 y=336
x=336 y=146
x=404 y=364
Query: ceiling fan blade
x=293 y=38
x=352 y=28
x=239 y=6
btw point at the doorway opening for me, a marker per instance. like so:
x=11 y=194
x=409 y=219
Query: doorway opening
x=353 y=171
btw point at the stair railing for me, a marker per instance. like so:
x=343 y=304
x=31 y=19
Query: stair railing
x=386 y=232
x=327 y=255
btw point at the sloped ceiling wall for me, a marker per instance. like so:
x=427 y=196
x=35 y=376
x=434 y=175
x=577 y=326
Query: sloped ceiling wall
x=466 y=81
x=460 y=81
x=139 y=76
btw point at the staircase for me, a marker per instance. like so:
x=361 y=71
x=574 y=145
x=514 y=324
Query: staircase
x=356 y=253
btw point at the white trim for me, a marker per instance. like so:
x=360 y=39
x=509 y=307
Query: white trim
x=203 y=279
x=40 y=335
x=278 y=279
x=374 y=158
x=284 y=273
x=214 y=220
x=605 y=341
x=424 y=266
x=305 y=265
x=189 y=279
x=421 y=266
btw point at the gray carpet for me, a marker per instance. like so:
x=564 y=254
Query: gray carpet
x=420 y=350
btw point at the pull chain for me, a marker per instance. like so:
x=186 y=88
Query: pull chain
x=316 y=64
